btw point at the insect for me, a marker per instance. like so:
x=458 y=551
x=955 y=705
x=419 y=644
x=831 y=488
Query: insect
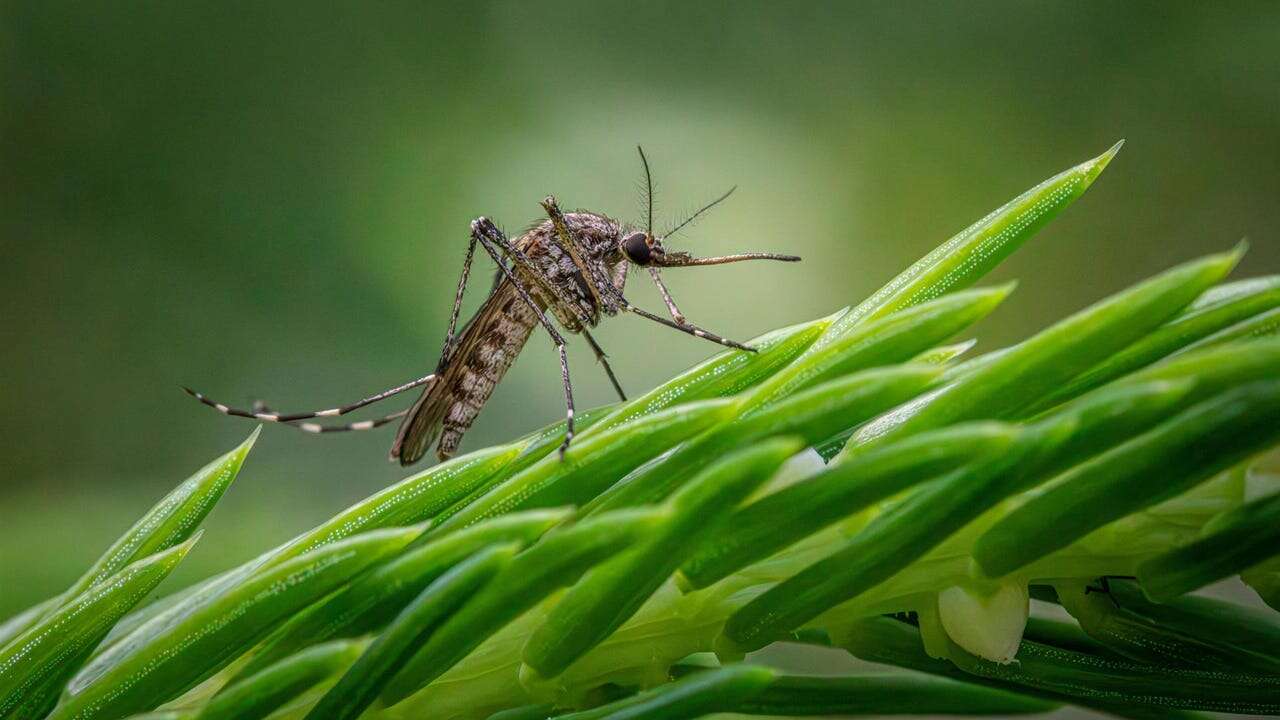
x=571 y=267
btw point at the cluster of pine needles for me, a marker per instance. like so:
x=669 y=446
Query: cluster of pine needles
x=1008 y=533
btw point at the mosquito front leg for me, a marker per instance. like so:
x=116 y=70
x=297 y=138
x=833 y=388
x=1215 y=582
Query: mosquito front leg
x=666 y=296
x=265 y=416
x=492 y=239
x=687 y=327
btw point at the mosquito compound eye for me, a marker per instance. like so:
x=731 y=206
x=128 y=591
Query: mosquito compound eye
x=636 y=246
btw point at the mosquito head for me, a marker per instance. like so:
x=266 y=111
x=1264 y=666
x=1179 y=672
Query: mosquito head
x=641 y=248
x=645 y=249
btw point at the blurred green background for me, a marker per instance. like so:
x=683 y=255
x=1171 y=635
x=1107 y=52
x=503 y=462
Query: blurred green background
x=271 y=200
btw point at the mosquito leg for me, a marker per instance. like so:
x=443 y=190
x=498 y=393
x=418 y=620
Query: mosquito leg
x=687 y=327
x=446 y=353
x=492 y=239
x=666 y=296
x=264 y=416
x=619 y=279
x=349 y=427
x=604 y=360
x=260 y=406
x=568 y=397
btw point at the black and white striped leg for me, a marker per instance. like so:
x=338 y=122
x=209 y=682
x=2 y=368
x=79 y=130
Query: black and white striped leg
x=492 y=239
x=687 y=327
x=310 y=427
x=261 y=407
x=266 y=416
x=604 y=360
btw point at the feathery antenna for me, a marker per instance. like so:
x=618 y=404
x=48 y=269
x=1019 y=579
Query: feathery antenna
x=701 y=210
x=648 y=191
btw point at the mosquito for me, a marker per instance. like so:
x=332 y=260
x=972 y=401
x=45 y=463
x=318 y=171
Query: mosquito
x=571 y=267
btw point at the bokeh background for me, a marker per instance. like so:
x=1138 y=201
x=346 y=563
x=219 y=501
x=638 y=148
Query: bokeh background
x=271 y=200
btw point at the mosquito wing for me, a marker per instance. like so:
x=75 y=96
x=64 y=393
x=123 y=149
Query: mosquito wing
x=420 y=426
x=485 y=349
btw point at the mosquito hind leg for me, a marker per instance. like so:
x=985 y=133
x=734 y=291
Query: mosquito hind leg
x=492 y=239
x=604 y=360
x=261 y=412
x=310 y=427
x=260 y=406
